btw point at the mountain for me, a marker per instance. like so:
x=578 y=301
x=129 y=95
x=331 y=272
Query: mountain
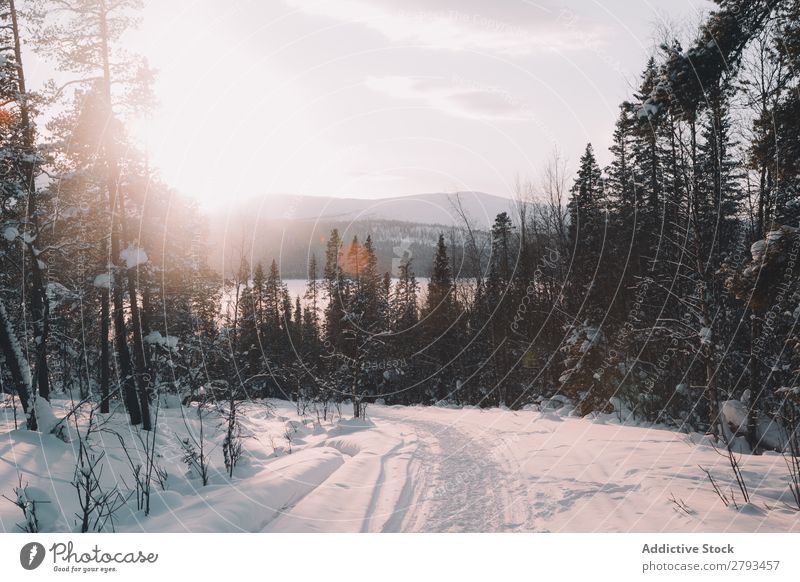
x=290 y=228
x=434 y=208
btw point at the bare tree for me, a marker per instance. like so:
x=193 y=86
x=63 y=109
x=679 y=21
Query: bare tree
x=475 y=245
x=195 y=455
x=232 y=448
x=552 y=212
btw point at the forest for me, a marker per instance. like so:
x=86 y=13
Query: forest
x=664 y=284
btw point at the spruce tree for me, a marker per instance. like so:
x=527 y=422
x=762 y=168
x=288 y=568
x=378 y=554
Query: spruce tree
x=335 y=291
x=439 y=315
x=587 y=209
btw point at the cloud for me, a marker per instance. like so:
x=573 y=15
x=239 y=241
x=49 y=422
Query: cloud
x=453 y=97
x=508 y=27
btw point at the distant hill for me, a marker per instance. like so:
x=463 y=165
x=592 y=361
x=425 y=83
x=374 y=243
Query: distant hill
x=435 y=208
x=290 y=228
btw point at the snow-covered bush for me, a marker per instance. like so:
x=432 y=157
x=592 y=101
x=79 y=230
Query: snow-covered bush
x=27 y=505
x=586 y=351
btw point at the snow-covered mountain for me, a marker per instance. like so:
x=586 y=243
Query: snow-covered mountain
x=432 y=208
x=291 y=228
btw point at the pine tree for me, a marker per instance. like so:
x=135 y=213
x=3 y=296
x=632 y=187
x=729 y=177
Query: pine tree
x=593 y=279
x=587 y=233
x=259 y=297
x=405 y=311
x=647 y=149
x=372 y=287
x=297 y=321
x=310 y=315
x=439 y=299
x=17 y=193
x=251 y=338
x=84 y=40
x=500 y=299
x=312 y=297
x=286 y=313
x=439 y=315
x=22 y=200
x=335 y=291
x=274 y=305
x=620 y=176
x=363 y=341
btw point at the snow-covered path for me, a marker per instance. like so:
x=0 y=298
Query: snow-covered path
x=419 y=469
x=418 y=475
x=440 y=470
x=459 y=484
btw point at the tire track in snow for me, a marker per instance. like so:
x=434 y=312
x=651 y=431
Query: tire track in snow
x=460 y=485
x=379 y=486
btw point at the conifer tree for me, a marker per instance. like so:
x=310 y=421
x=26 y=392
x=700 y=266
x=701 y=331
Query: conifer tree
x=335 y=290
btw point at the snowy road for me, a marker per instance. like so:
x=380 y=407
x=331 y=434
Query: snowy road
x=438 y=470
x=409 y=473
x=429 y=476
x=459 y=484
x=418 y=469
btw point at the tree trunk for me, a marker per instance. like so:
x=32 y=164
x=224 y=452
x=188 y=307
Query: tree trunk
x=710 y=368
x=37 y=280
x=17 y=366
x=755 y=384
x=115 y=204
x=142 y=377
x=120 y=329
x=105 y=358
x=356 y=401
x=40 y=312
x=139 y=356
x=754 y=364
x=713 y=396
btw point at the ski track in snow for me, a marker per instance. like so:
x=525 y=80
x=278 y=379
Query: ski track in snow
x=460 y=486
x=441 y=479
x=419 y=469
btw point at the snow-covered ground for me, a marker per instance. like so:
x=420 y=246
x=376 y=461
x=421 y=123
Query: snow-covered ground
x=408 y=469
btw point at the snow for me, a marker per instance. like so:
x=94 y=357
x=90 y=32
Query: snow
x=170 y=401
x=133 y=256
x=346 y=426
x=46 y=419
x=10 y=233
x=735 y=414
x=649 y=110
x=410 y=469
x=155 y=338
x=56 y=293
x=776 y=235
x=757 y=250
x=769 y=433
x=40 y=510
x=103 y=281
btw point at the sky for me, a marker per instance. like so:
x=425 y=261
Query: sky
x=378 y=98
